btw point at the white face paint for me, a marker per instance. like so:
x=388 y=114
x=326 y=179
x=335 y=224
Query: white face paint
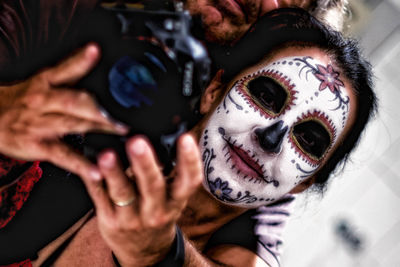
x=272 y=130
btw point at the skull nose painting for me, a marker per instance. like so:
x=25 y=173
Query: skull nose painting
x=271 y=137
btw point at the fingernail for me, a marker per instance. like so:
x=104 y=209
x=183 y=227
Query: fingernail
x=187 y=143
x=138 y=147
x=91 y=49
x=121 y=127
x=95 y=174
x=107 y=160
x=104 y=113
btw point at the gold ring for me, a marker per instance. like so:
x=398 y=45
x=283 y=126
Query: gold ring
x=124 y=203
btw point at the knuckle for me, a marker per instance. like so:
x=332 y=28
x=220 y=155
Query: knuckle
x=164 y=220
x=69 y=102
x=73 y=100
x=84 y=96
x=153 y=172
x=146 y=165
x=95 y=190
x=157 y=221
x=121 y=193
x=35 y=99
x=33 y=145
x=112 y=224
x=70 y=123
x=40 y=78
x=152 y=222
x=20 y=128
x=155 y=184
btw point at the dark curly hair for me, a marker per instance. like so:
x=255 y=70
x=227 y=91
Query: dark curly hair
x=291 y=26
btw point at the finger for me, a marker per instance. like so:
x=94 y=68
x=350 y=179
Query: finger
x=189 y=170
x=54 y=125
x=98 y=193
x=149 y=178
x=75 y=67
x=73 y=102
x=119 y=188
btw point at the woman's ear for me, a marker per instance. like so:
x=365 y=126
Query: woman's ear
x=302 y=186
x=212 y=93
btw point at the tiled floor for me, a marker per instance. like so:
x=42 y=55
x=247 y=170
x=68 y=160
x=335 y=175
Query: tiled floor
x=364 y=201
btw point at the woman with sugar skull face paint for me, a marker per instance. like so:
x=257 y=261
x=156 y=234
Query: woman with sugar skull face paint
x=275 y=126
x=274 y=130
x=278 y=126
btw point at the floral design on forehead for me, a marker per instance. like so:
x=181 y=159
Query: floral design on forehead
x=329 y=79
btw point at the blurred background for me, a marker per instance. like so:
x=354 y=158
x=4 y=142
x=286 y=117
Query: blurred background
x=357 y=221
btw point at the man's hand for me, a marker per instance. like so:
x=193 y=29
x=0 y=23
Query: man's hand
x=137 y=215
x=36 y=113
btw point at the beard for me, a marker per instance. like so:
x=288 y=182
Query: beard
x=218 y=24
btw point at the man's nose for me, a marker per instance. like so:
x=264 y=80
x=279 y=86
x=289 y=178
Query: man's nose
x=271 y=137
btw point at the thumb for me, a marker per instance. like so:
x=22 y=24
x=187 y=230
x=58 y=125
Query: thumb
x=75 y=67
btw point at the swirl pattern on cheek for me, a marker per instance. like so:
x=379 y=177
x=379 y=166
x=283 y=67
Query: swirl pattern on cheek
x=220 y=188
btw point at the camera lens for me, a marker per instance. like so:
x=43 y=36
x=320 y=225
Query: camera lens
x=127 y=80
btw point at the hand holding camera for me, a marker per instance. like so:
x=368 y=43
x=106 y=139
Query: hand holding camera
x=150 y=77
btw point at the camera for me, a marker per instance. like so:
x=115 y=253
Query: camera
x=150 y=77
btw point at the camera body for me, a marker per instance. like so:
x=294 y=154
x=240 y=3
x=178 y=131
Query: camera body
x=150 y=78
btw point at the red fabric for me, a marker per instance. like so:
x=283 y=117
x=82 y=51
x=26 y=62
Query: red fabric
x=13 y=197
x=6 y=164
x=25 y=263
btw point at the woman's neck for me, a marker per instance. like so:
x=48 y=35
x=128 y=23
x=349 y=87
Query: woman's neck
x=203 y=215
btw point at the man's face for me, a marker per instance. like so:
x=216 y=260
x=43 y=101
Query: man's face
x=276 y=125
x=227 y=20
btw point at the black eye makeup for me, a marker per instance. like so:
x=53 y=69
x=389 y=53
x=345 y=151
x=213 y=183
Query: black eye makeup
x=270 y=92
x=312 y=136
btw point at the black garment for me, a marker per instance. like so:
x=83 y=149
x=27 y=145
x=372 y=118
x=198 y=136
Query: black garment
x=35 y=34
x=56 y=202
x=38 y=33
x=258 y=230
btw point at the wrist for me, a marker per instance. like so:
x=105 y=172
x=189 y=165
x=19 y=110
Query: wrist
x=175 y=256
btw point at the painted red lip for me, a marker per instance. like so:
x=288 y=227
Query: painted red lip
x=244 y=162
